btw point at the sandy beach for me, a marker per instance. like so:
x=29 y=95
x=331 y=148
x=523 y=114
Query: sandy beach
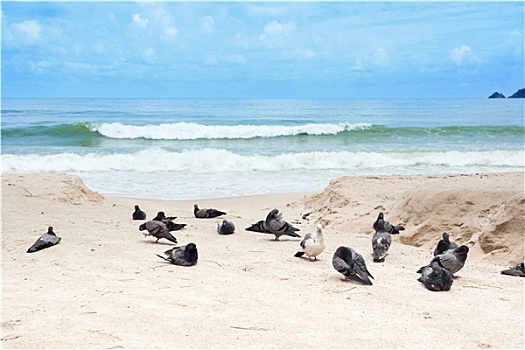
x=103 y=286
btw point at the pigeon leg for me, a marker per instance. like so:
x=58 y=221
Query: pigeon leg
x=345 y=279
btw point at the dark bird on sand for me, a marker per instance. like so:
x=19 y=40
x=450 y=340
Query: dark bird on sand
x=387 y=226
x=185 y=255
x=381 y=241
x=352 y=265
x=206 y=213
x=275 y=225
x=168 y=221
x=138 y=214
x=226 y=228
x=435 y=277
x=157 y=229
x=453 y=259
x=518 y=270
x=444 y=244
x=257 y=227
x=162 y=216
x=47 y=240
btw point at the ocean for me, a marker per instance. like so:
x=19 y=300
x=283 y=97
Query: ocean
x=208 y=148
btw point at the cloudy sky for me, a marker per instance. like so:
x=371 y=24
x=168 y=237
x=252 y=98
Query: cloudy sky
x=242 y=49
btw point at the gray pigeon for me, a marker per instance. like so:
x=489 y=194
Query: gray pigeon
x=258 y=227
x=48 y=239
x=162 y=216
x=168 y=221
x=435 y=277
x=387 y=226
x=185 y=255
x=444 y=244
x=352 y=265
x=158 y=230
x=518 y=270
x=206 y=213
x=381 y=241
x=138 y=214
x=453 y=259
x=275 y=225
x=226 y=228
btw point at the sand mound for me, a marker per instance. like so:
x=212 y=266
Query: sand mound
x=61 y=188
x=486 y=212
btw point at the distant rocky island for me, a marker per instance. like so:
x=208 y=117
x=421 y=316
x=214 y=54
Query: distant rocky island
x=518 y=94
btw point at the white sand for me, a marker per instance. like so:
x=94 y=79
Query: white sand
x=104 y=287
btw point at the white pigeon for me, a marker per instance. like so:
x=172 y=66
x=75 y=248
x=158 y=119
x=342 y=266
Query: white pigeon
x=313 y=244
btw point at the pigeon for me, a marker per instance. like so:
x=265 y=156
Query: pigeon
x=48 y=239
x=168 y=221
x=258 y=227
x=352 y=265
x=226 y=228
x=275 y=225
x=444 y=244
x=381 y=241
x=185 y=255
x=388 y=227
x=313 y=244
x=435 y=277
x=206 y=213
x=518 y=270
x=158 y=230
x=162 y=216
x=453 y=259
x=138 y=214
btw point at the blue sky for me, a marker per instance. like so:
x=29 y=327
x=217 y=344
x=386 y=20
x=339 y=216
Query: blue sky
x=262 y=49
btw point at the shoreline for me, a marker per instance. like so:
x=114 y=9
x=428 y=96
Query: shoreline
x=246 y=290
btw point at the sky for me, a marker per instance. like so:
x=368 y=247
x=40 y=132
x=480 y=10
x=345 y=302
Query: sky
x=242 y=49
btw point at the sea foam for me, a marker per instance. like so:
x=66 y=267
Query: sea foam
x=193 y=131
x=219 y=161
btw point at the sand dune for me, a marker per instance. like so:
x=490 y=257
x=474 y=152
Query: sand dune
x=104 y=287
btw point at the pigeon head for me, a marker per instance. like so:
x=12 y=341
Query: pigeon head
x=462 y=249
x=462 y=252
x=161 y=215
x=142 y=227
x=137 y=207
x=50 y=230
x=380 y=216
x=273 y=213
x=190 y=253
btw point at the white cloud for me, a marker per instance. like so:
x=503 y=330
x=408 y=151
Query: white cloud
x=139 y=20
x=30 y=29
x=170 y=32
x=276 y=29
x=460 y=53
x=165 y=20
x=380 y=58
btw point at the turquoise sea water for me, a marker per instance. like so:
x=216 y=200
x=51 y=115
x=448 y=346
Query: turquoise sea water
x=187 y=148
